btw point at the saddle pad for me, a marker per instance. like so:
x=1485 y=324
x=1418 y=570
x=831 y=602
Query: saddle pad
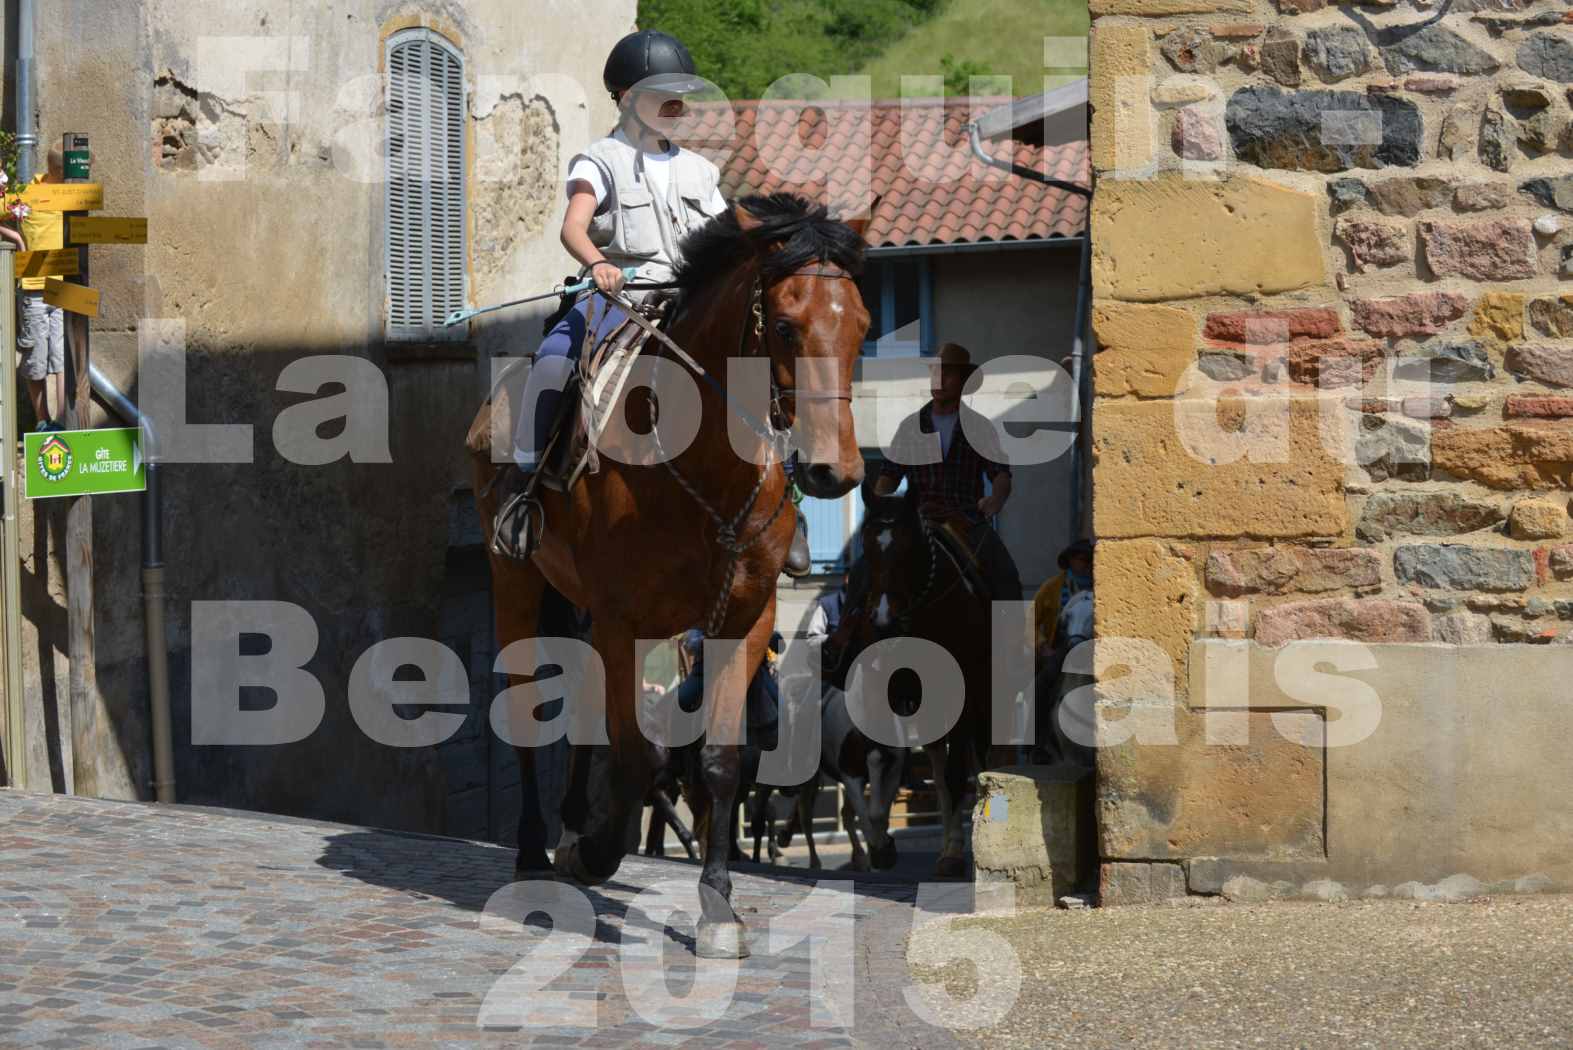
x=599 y=382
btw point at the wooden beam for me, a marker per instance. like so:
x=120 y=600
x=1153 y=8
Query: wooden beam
x=91 y=732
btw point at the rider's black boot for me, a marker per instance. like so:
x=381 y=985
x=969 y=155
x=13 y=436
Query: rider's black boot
x=797 y=562
x=516 y=528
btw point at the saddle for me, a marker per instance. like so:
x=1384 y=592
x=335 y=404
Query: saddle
x=593 y=395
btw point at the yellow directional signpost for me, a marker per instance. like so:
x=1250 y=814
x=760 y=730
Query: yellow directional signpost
x=75 y=463
x=58 y=262
x=64 y=196
x=73 y=298
x=82 y=229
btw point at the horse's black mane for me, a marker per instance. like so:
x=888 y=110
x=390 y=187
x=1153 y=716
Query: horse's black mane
x=804 y=230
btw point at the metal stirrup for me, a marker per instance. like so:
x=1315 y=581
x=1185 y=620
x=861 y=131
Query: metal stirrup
x=514 y=515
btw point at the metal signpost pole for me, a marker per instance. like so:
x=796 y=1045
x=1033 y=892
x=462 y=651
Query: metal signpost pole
x=10 y=542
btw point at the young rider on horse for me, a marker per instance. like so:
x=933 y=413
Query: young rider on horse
x=953 y=486
x=632 y=197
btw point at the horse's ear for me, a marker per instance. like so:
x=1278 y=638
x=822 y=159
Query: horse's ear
x=867 y=488
x=745 y=218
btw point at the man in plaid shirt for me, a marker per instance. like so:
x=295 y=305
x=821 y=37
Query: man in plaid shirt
x=953 y=485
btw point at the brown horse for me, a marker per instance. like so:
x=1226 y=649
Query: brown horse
x=654 y=549
x=916 y=588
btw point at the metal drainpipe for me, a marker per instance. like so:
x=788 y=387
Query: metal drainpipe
x=152 y=586
x=1080 y=374
x=26 y=132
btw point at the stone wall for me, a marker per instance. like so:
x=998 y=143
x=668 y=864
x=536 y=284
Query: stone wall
x=1335 y=350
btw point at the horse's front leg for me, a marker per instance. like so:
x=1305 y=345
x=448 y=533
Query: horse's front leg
x=950 y=764
x=854 y=817
x=608 y=784
x=519 y=595
x=884 y=778
x=721 y=934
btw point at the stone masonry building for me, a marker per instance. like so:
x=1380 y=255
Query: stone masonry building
x=1335 y=353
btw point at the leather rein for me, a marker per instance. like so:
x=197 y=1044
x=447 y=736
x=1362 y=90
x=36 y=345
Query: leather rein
x=773 y=432
x=936 y=549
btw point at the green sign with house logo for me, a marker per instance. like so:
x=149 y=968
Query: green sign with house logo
x=83 y=463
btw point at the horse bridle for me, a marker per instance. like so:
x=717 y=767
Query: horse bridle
x=757 y=312
x=727 y=528
x=935 y=548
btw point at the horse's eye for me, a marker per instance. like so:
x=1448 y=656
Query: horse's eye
x=786 y=331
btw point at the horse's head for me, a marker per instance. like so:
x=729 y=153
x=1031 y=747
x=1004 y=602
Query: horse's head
x=799 y=271
x=898 y=558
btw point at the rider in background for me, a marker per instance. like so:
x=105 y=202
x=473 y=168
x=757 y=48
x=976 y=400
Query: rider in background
x=1056 y=593
x=952 y=487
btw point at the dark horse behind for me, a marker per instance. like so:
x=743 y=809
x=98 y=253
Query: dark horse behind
x=917 y=587
x=654 y=546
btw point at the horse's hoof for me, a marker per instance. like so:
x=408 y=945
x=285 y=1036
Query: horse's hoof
x=568 y=865
x=883 y=857
x=534 y=866
x=950 y=868
x=721 y=940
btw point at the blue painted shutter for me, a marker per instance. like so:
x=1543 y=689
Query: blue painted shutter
x=827 y=530
x=831 y=523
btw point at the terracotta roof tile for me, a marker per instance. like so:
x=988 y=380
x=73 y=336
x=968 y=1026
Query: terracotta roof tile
x=911 y=159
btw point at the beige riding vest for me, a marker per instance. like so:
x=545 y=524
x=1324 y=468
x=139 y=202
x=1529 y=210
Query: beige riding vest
x=638 y=228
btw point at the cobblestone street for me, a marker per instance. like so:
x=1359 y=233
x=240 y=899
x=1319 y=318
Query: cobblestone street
x=125 y=925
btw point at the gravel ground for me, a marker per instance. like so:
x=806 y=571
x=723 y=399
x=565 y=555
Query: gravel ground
x=1389 y=974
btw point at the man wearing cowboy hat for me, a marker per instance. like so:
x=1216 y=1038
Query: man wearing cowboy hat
x=951 y=486
x=1075 y=577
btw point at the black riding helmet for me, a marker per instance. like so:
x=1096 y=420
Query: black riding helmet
x=652 y=61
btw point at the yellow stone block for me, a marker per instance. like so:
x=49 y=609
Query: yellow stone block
x=1177 y=238
x=1174 y=469
x=1146 y=591
x=1142 y=350
x=1120 y=91
x=1240 y=784
x=1538 y=519
x=1499 y=315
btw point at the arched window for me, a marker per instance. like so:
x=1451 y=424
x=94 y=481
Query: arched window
x=423 y=210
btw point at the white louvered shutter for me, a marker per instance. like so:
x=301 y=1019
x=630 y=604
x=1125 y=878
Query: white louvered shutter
x=424 y=216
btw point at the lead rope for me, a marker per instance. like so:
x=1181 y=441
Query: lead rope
x=936 y=549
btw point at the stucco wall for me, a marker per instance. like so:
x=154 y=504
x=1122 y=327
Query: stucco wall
x=1020 y=304
x=280 y=258
x=1301 y=207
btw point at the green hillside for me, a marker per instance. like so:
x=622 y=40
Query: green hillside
x=746 y=46
x=990 y=37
